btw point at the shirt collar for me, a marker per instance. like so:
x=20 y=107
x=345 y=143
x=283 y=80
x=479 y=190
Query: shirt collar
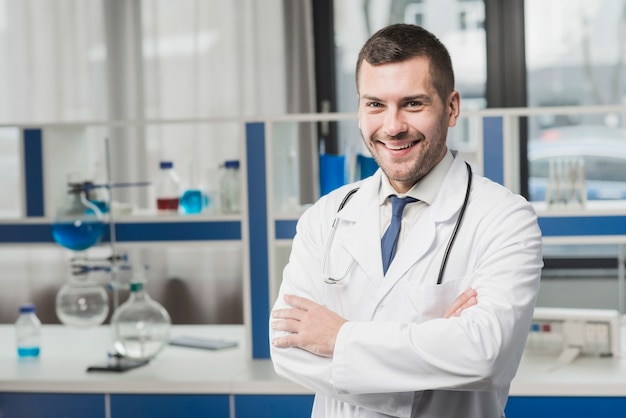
x=426 y=189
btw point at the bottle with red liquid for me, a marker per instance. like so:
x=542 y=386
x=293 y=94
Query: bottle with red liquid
x=167 y=189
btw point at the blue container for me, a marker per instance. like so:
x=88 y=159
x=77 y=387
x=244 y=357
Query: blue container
x=332 y=172
x=194 y=201
x=366 y=166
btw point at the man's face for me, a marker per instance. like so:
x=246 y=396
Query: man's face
x=402 y=119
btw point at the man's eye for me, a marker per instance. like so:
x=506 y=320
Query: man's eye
x=374 y=104
x=414 y=103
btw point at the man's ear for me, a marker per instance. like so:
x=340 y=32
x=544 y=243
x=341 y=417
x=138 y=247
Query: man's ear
x=454 y=108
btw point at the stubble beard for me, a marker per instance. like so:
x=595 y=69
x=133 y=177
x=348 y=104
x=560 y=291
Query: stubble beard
x=421 y=165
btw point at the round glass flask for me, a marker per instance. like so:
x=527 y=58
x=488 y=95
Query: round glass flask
x=140 y=326
x=82 y=302
x=79 y=224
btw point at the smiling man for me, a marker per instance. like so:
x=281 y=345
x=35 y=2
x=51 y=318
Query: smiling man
x=409 y=293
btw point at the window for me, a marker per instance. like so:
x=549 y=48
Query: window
x=574 y=57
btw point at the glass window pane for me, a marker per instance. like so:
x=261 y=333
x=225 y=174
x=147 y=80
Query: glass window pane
x=575 y=52
x=575 y=57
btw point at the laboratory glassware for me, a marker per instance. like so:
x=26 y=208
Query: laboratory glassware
x=82 y=302
x=167 y=189
x=78 y=224
x=194 y=199
x=230 y=187
x=140 y=326
x=28 y=332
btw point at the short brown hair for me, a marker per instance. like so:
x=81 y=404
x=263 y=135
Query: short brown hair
x=400 y=42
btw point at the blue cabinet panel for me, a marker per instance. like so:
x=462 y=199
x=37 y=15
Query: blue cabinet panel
x=273 y=406
x=51 y=405
x=564 y=406
x=168 y=406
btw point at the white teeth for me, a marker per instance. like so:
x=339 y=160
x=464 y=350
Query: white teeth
x=399 y=148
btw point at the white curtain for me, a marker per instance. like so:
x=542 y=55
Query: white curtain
x=201 y=58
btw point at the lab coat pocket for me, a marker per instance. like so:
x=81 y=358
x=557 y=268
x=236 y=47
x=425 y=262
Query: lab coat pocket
x=430 y=301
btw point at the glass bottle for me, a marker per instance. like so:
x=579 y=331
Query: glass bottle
x=230 y=187
x=167 y=189
x=82 y=302
x=78 y=224
x=194 y=199
x=28 y=332
x=140 y=326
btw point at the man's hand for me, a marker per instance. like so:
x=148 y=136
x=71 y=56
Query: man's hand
x=462 y=302
x=313 y=327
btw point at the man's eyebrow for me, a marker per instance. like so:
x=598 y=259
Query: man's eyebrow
x=417 y=97
x=368 y=97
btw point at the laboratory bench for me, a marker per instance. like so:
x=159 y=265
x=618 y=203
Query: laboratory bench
x=186 y=382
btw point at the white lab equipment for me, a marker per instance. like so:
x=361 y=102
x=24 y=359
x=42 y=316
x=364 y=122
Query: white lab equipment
x=570 y=333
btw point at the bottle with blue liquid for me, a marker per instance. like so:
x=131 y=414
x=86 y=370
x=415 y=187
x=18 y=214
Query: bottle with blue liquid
x=194 y=199
x=28 y=332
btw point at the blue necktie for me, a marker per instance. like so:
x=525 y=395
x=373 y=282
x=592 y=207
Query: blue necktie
x=389 y=241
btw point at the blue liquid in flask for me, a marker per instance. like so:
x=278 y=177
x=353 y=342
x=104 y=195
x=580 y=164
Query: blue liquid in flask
x=28 y=351
x=193 y=201
x=78 y=235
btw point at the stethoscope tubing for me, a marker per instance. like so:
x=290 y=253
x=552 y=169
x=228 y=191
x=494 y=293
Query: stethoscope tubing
x=330 y=280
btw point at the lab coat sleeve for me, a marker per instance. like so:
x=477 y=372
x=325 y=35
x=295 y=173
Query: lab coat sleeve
x=302 y=277
x=481 y=349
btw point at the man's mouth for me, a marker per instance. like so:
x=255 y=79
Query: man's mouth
x=400 y=147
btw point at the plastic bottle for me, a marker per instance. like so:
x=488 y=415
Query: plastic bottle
x=230 y=187
x=167 y=189
x=28 y=332
x=140 y=326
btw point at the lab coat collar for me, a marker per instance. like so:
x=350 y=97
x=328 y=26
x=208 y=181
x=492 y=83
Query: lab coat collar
x=362 y=240
x=444 y=210
x=426 y=189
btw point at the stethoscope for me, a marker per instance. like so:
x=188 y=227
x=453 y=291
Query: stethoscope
x=444 y=262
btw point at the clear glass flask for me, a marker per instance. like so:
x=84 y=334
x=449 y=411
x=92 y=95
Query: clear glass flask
x=140 y=326
x=78 y=224
x=82 y=302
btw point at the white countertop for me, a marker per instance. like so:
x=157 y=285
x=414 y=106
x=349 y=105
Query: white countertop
x=67 y=352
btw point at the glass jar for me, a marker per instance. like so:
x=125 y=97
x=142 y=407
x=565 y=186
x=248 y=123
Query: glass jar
x=140 y=326
x=167 y=189
x=230 y=187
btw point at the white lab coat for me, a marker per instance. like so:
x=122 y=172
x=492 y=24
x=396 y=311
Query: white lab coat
x=397 y=356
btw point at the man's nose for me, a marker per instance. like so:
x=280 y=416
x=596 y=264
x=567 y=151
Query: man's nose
x=394 y=123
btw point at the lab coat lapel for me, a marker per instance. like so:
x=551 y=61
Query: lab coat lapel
x=421 y=240
x=362 y=240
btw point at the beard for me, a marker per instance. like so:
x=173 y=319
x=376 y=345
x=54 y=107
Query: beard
x=415 y=165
